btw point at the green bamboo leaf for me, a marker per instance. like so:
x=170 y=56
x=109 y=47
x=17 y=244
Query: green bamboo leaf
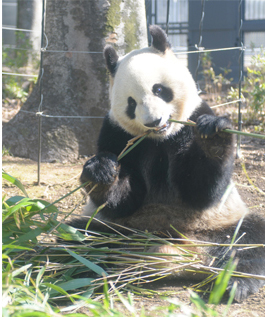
x=58 y=289
x=32 y=313
x=201 y=305
x=106 y=299
x=71 y=285
x=41 y=204
x=5 y=207
x=3 y=198
x=95 y=268
x=20 y=270
x=14 y=200
x=15 y=247
x=67 y=232
x=4 y=256
x=14 y=181
x=31 y=205
x=16 y=219
x=221 y=282
x=39 y=276
x=231 y=298
x=76 y=314
x=29 y=236
x=23 y=203
x=94 y=214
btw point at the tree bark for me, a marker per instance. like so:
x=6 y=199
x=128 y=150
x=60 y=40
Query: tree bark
x=74 y=84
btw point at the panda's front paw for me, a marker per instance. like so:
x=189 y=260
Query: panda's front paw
x=208 y=125
x=101 y=169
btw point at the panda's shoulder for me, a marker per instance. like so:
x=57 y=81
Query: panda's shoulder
x=203 y=108
x=110 y=127
x=112 y=137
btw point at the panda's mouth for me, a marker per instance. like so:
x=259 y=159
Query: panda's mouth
x=162 y=129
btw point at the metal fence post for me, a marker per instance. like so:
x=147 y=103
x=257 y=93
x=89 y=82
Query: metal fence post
x=41 y=96
x=240 y=75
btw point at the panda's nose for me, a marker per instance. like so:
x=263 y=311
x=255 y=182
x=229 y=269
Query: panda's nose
x=153 y=124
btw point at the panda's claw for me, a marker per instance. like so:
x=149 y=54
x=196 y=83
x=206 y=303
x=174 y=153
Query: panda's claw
x=208 y=125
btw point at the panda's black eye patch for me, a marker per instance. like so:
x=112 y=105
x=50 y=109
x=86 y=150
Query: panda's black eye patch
x=163 y=92
x=131 y=106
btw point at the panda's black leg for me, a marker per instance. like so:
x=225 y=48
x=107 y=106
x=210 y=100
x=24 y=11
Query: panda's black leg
x=245 y=287
x=249 y=252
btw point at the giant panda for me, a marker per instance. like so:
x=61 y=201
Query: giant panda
x=178 y=179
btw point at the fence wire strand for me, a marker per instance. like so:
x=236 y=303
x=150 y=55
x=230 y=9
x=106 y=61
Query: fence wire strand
x=16 y=29
x=41 y=114
x=198 y=51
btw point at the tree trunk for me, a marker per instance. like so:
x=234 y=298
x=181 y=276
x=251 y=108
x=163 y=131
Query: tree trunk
x=74 y=84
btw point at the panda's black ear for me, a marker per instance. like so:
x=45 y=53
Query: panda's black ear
x=159 y=38
x=111 y=58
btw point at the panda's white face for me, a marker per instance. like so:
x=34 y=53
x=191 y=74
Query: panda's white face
x=148 y=89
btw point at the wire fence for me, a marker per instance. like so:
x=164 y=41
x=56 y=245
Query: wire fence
x=199 y=50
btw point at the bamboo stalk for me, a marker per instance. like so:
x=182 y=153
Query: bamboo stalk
x=253 y=135
x=130 y=144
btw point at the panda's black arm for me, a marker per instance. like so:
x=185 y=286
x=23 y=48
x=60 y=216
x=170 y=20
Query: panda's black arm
x=201 y=180
x=120 y=184
x=124 y=197
x=202 y=168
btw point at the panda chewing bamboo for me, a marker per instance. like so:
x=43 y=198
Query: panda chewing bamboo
x=178 y=176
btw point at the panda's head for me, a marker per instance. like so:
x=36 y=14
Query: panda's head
x=148 y=87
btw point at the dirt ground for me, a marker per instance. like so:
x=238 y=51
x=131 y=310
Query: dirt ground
x=58 y=179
